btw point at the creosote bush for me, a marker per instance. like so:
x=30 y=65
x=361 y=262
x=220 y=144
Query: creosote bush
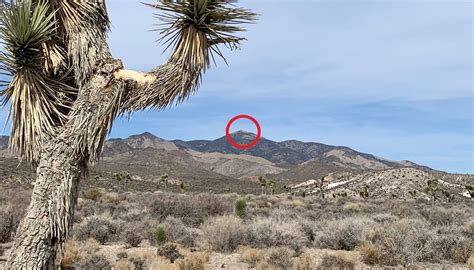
x=132 y=237
x=178 y=232
x=345 y=234
x=97 y=228
x=222 y=233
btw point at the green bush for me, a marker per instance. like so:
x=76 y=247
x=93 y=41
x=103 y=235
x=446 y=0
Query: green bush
x=240 y=207
x=160 y=234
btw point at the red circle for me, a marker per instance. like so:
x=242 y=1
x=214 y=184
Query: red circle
x=240 y=146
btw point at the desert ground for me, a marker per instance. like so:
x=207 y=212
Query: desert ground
x=163 y=230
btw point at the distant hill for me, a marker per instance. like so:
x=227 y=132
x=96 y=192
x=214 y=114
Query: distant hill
x=399 y=183
x=204 y=165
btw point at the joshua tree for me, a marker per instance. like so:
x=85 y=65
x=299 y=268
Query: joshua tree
x=67 y=89
x=364 y=192
x=321 y=187
x=432 y=188
x=164 y=180
x=263 y=184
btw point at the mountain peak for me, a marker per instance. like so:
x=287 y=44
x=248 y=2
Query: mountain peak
x=145 y=135
x=243 y=135
x=242 y=132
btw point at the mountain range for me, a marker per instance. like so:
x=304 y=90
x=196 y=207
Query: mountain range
x=291 y=160
x=139 y=162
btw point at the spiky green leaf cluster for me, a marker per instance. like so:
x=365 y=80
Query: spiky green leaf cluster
x=37 y=102
x=218 y=20
x=23 y=30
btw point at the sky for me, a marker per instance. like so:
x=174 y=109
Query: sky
x=390 y=78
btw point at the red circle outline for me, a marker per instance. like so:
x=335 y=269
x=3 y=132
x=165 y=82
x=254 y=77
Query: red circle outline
x=240 y=146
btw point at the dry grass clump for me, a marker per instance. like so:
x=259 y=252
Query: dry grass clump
x=333 y=261
x=223 y=233
x=193 y=261
x=371 y=254
x=280 y=258
x=252 y=256
x=124 y=265
x=72 y=253
x=354 y=206
x=470 y=262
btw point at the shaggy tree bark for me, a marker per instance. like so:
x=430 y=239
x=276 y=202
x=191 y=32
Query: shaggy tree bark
x=111 y=91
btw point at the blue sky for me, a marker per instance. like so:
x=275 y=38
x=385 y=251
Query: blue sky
x=391 y=78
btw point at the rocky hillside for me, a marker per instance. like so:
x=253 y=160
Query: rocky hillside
x=401 y=183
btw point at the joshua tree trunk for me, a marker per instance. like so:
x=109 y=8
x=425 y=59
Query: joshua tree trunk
x=50 y=214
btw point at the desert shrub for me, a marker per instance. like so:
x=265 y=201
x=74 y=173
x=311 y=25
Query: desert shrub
x=195 y=261
x=169 y=251
x=403 y=242
x=138 y=263
x=223 y=233
x=192 y=209
x=97 y=228
x=7 y=226
x=384 y=218
x=468 y=228
x=72 y=253
x=122 y=255
x=354 y=206
x=344 y=234
x=177 y=232
x=160 y=234
x=132 y=238
x=336 y=262
x=92 y=194
x=93 y=262
x=280 y=257
x=11 y=213
x=269 y=232
x=440 y=216
x=451 y=247
x=240 y=207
